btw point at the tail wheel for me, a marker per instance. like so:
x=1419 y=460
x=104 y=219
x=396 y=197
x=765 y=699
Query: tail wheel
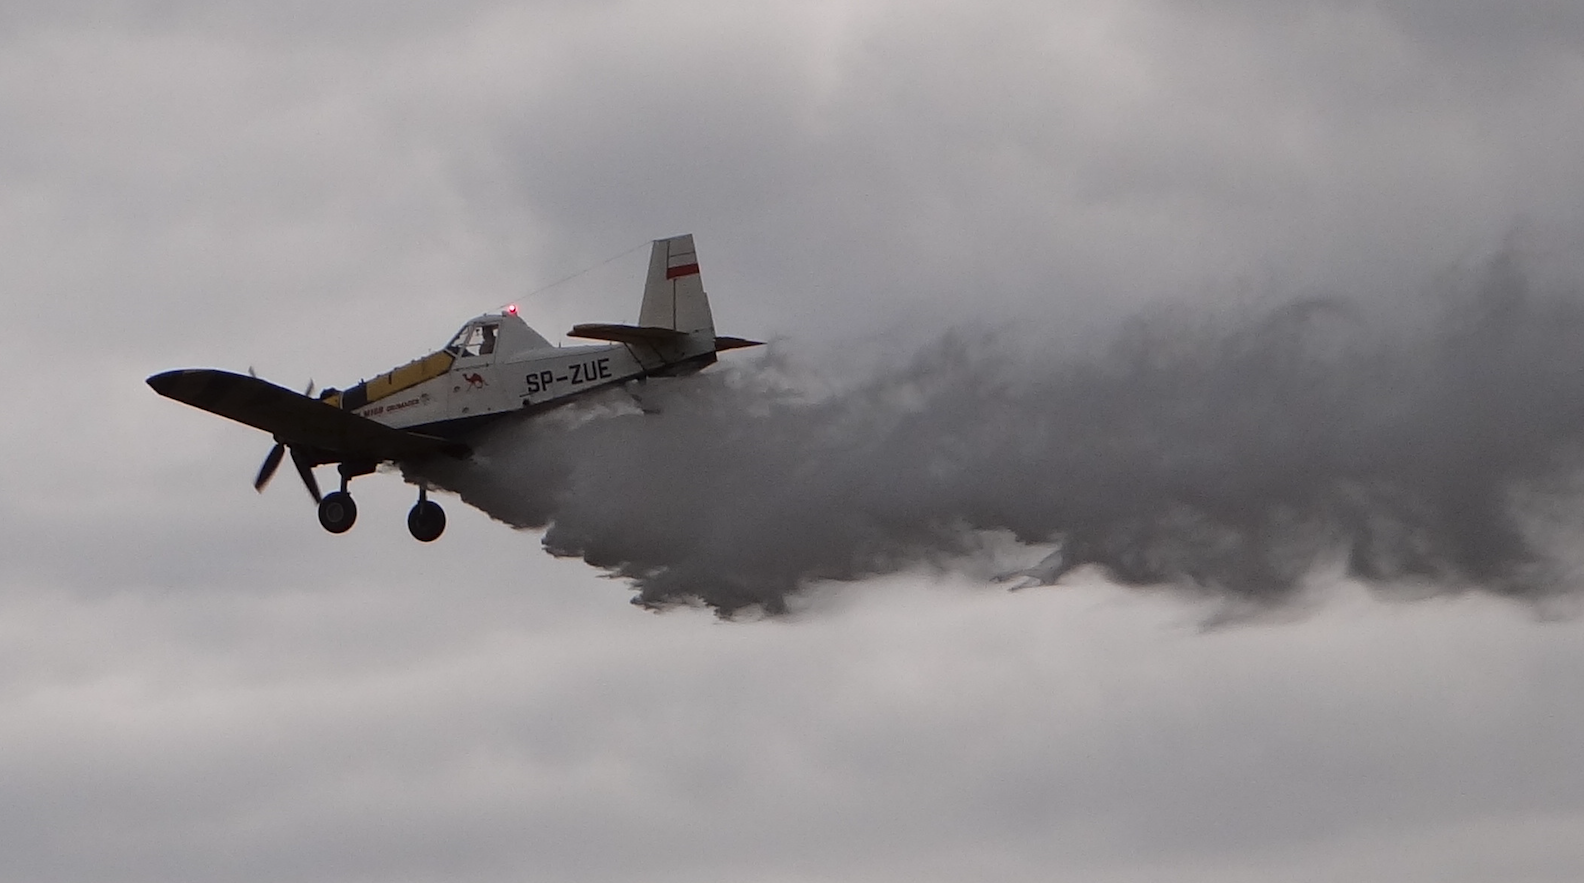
x=337 y=512
x=426 y=521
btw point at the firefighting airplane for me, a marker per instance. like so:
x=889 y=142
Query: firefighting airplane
x=494 y=367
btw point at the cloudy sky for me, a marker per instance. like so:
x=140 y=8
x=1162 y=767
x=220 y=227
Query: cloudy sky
x=199 y=683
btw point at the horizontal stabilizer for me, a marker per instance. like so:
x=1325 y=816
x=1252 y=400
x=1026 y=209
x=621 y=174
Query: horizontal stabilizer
x=722 y=344
x=626 y=333
x=295 y=419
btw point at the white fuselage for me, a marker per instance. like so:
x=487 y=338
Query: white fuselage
x=482 y=385
x=496 y=365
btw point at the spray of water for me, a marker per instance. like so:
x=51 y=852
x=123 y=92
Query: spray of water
x=1432 y=444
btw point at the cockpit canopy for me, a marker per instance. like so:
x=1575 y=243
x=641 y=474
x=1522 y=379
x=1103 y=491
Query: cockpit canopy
x=497 y=332
x=474 y=340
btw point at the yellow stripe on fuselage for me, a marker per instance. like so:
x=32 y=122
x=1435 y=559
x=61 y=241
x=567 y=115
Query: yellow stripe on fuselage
x=397 y=379
x=410 y=374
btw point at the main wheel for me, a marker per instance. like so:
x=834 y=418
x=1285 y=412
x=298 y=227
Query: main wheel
x=426 y=521
x=337 y=512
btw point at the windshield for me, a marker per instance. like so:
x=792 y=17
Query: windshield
x=474 y=340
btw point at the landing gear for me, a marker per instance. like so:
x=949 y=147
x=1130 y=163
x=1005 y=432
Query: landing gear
x=426 y=520
x=337 y=512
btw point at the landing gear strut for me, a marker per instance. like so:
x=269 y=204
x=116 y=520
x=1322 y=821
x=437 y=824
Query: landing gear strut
x=426 y=520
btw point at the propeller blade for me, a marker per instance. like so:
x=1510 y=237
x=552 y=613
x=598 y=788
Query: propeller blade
x=267 y=471
x=310 y=390
x=305 y=469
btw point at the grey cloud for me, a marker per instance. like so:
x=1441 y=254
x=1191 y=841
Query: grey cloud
x=353 y=25
x=1066 y=164
x=604 y=751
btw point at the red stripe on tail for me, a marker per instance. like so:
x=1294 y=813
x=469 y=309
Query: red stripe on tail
x=684 y=270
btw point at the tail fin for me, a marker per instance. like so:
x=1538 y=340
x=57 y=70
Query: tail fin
x=675 y=333
x=674 y=293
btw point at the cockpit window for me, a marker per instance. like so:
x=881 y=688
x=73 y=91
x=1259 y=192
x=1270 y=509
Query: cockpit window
x=474 y=340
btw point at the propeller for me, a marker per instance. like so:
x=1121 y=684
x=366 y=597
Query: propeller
x=305 y=469
x=272 y=462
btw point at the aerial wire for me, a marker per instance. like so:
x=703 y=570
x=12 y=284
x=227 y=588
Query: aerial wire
x=562 y=281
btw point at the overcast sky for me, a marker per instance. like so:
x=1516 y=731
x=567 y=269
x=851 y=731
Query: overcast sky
x=198 y=683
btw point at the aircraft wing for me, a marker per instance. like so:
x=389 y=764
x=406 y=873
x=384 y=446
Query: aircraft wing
x=296 y=419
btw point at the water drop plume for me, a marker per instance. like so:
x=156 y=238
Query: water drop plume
x=1430 y=440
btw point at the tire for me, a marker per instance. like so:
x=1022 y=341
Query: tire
x=337 y=512
x=426 y=521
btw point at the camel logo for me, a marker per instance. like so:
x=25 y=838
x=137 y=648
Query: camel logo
x=475 y=380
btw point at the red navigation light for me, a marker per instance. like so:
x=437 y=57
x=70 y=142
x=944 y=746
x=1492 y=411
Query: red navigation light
x=511 y=310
